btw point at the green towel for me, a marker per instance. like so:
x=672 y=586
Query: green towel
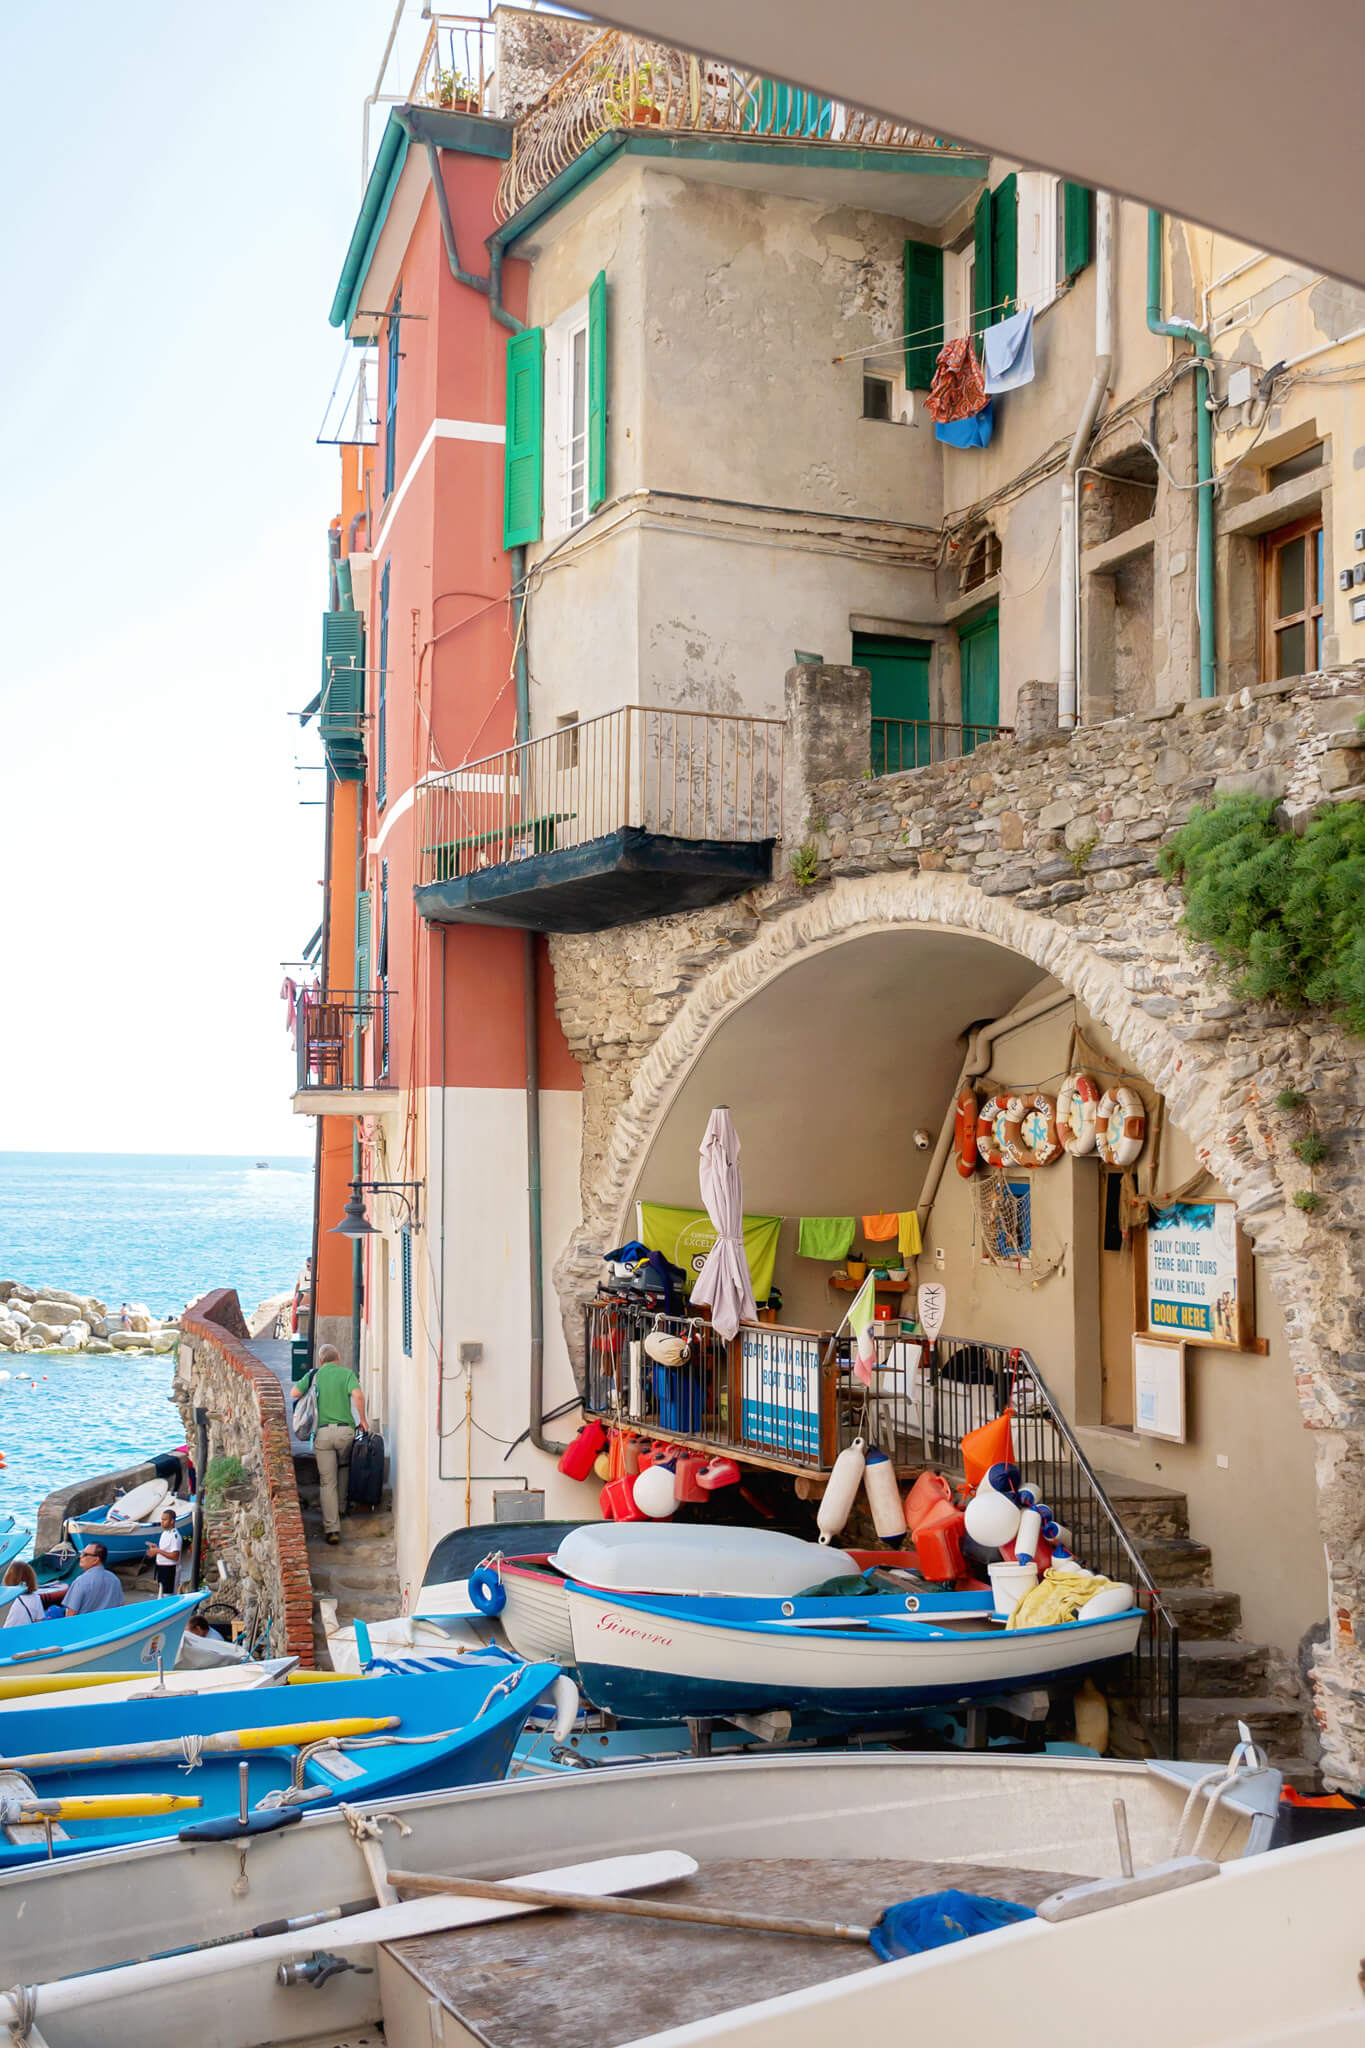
x=824 y=1237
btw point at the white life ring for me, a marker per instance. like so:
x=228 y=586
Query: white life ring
x=1120 y=1126
x=1031 y=1131
x=990 y=1130
x=1077 y=1108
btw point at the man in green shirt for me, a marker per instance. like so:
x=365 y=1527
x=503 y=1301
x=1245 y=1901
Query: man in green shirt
x=341 y=1411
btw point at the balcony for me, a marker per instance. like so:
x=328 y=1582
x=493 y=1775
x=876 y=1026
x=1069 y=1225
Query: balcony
x=330 y=1037
x=624 y=84
x=637 y=814
x=901 y=743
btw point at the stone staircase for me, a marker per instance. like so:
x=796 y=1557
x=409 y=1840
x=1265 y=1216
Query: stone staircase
x=1223 y=1678
x=361 y=1572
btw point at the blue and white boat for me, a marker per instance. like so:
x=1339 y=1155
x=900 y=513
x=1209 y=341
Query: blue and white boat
x=125 y=1540
x=354 y=1740
x=14 y=1540
x=128 y=1638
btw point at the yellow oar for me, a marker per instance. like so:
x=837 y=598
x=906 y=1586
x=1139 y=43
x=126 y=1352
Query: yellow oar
x=12 y=1688
x=98 y=1806
x=226 y=1743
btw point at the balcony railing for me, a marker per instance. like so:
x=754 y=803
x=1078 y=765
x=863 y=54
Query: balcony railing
x=901 y=743
x=621 y=81
x=455 y=69
x=687 y=775
x=770 y=1398
x=329 y=1038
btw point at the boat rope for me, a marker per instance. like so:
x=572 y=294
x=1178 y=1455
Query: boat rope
x=192 y=1749
x=1246 y=1762
x=23 y=2013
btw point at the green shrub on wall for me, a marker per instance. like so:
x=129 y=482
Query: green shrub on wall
x=1286 y=913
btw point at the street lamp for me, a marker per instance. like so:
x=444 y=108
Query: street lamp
x=355 y=1223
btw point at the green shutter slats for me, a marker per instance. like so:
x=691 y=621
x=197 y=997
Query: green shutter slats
x=524 y=451
x=343 y=694
x=982 y=296
x=362 y=940
x=1076 y=211
x=405 y=1264
x=381 y=733
x=923 y=313
x=1004 y=249
x=597 y=391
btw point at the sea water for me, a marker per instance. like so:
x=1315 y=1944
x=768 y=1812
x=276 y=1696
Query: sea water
x=160 y=1229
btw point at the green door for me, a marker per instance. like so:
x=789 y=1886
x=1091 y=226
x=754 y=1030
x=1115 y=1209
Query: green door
x=979 y=647
x=900 y=699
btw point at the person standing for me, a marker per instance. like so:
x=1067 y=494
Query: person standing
x=165 y=1552
x=96 y=1587
x=341 y=1411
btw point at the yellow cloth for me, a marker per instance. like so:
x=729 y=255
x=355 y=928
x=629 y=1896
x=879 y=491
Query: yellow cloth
x=1059 y=1596
x=908 y=1234
x=877 y=1228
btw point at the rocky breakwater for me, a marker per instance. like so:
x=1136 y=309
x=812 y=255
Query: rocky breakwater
x=53 y=1319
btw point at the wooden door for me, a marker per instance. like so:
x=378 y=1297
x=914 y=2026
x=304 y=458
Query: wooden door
x=900 y=699
x=979 y=646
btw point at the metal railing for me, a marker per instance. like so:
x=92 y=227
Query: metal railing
x=769 y=1397
x=901 y=743
x=455 y=69
x=329 y=1037
x=622 y=81
x=698 y=775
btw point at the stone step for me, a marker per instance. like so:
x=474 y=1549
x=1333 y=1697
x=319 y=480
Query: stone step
x=1208 y=1727
x=1148 y=1512
x=1223 y=1670
x=1176 y=1561
x=1202 y=1613
x=367 y=1535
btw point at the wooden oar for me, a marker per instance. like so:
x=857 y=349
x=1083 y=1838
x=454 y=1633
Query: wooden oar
x=94 y=1806
x=225 y=1743
x=635 y=1909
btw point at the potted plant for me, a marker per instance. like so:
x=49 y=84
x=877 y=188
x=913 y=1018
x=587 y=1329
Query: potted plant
x=632 y=108
x=455 y=91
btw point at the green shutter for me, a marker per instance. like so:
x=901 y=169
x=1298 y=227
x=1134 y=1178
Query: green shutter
x=1004 y=249
x=405 y=1269
x=343 y=694
x=1075 y=228
x=362 y=940
x=982 y=296
x=597 y=391
x=923 y=313
x=524 y=452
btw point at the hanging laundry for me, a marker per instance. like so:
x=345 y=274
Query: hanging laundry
x=973 y=433
x=824 y=1237
x=1007 y=351
x=907 y=1235
x=291 y=993
x=958 y=390
x=878 y=1228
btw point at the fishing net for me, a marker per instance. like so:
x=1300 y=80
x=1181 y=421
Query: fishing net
x=1004 y=1218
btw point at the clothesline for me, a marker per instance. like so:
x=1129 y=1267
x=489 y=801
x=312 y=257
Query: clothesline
x=935 y=327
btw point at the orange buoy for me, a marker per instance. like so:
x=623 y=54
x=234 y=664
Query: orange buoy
x=964 y=1133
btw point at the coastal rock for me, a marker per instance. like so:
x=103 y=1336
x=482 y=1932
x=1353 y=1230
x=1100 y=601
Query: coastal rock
x=75 y=1301
x=93 y=1309
x=100 y=1327
x=54 y=1310
x=141 y=1323
x=10 y=1334
x=98 y=1344
x=76 y=1336
x=18 y=1315
x=41 y=1335
x=34 y=1340
x=128 y=1340
x=163 y=1341
x=19 y=1292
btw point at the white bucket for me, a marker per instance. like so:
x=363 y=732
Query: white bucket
x=1009 y=1583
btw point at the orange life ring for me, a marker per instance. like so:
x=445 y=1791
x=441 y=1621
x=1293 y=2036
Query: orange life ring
x=964 y=1133
x=1120 y=1126
x=1031 y=1131
x=990 y=1130
x=1077 y=1105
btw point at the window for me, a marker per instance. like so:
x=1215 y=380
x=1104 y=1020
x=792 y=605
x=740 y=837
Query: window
x=566 y=432
x=574 y=380
x=1296 y=465
x=878 y=393
x=393 y=353
x=983 y=561
x=381 y=752
x=995 y=271
x=383 y=965
x=1293 y=581
x=405 y=1276
x=566 y=741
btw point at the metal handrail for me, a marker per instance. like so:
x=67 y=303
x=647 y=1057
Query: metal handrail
x=455 y=69
x=622 y=81
x=900 y=744
x=694 y=775
x=329 y=1037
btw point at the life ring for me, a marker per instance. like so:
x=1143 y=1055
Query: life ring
x=1120 y=1126
x=486 y=1589
x=990 y=1130
x=1077 y=1105
x=964 y=1133
x=1031 y=1131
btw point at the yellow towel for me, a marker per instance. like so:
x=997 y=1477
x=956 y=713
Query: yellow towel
x=908 y=1235
x=877 y=1228
x=1058 y=1597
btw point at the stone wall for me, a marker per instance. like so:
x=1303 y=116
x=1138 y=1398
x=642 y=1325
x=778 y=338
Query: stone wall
x=259 y=1534
x=1049 y=848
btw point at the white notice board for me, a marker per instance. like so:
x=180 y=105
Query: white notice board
x=1159 y=1387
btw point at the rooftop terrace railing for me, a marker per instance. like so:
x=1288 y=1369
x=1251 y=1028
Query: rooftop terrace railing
x=901 y=743
x=693 y=775
x=455 y=69
x=622 y=81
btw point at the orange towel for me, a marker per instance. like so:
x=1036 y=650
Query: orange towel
x=877 y=1228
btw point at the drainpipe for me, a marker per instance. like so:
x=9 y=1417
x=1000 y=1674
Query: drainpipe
x=354 y=528
x=1181 y=330
x=1068 y=707
x=345 y=594
x=461 y=276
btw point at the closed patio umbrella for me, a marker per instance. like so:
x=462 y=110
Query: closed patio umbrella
x=723 y=1284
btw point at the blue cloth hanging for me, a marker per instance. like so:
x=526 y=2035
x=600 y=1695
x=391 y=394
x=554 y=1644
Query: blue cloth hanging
x=973 y=433
x=938 y=1919
x=1007 y=352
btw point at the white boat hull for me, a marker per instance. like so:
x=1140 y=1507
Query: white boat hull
x=536 y=1617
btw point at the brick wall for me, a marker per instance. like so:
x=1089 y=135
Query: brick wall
x=260 y=1536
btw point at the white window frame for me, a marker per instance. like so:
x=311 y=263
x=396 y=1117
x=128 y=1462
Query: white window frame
x=961 y=270
x=564 y=510
x=1039 y=255
x=902 y=402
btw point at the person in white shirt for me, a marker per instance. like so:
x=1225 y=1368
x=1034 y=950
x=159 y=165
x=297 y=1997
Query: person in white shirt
x=28 y=1605
x=166 y=1552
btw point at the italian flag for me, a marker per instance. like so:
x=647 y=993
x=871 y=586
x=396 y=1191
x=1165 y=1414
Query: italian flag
x=861 y=1318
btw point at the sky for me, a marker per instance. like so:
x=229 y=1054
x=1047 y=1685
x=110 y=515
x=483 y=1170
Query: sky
x=181 y=185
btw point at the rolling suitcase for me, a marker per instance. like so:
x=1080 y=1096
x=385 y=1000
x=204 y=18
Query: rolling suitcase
x=366 y=1488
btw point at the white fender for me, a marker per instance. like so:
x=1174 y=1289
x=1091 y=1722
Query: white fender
x=564 y=1693
x=1026 y=1542
x=883 y=1494
x=842 y=1491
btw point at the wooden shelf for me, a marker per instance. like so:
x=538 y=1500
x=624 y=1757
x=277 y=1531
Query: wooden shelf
x=843 y=1285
